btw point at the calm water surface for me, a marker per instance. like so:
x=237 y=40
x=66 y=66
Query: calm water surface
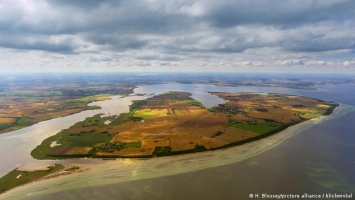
x=318 y=158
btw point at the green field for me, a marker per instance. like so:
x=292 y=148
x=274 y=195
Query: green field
x=89 y=99
x=4 y=126
x=150 y=113
x=20 y=122
x=144 y=113
x=83 y=138
x=135 y=144
x=257 y=128
x=123 y=117
x=194 y=103
x=309 y=115
x=96 y=120
x=24 y=121
x=70 y=140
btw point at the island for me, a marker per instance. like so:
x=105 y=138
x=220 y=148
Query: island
x=174 y=123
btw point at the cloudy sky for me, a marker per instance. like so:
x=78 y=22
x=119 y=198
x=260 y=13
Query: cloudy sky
x=177 y=35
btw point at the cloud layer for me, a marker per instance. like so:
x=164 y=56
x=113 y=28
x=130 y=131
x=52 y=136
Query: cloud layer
x=155 y=35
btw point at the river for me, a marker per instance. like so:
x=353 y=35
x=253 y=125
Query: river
x=315 y=157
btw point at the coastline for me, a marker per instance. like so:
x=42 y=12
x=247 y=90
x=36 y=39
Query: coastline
x=171 y=165
x=34 y=175
x=88 y=107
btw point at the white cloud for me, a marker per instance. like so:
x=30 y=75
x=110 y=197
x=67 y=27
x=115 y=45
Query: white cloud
x=348 y=63
x=291 y=62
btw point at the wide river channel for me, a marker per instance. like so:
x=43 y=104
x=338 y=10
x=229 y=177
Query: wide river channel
x=314 y=157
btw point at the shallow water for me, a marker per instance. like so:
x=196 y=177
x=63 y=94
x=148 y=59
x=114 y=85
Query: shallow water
x=316 y=156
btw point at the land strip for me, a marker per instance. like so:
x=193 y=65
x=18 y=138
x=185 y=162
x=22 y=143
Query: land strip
x=17 y=177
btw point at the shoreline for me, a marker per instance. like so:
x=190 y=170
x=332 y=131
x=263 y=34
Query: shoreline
x=66 y=170
x=240 y=152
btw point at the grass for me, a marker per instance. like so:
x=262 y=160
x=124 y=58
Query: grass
x=5 y=126
x=83 y=139
x=123 y=117
x=16 y=177
x=194 y=103
x=24 y=121
x=143 y=113
x=93 y=107
x=135 y=144
x=20 y=122
x=257 y=128
x=149 y=113
x=137 y=105
x=89 y=99
x=95 y=120
x=33 y=99
x=69 y=140
x=162 y=151
x=309 y=115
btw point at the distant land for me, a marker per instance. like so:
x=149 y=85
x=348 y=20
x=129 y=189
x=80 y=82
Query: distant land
x=26 y=100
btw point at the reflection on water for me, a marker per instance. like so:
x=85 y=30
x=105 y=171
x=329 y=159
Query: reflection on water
x=303 y=163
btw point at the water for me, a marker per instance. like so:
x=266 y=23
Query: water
x=315 y=157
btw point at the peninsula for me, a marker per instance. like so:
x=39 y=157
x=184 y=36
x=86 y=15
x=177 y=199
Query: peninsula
x=174 y=123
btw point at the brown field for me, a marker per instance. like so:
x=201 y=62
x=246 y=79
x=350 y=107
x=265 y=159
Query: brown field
x=152 y=143
x=70 y=151
x=282 y=116
x=7 y=120
x=128 y=153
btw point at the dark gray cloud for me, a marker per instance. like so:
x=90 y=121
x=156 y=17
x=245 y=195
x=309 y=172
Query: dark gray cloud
x=321 y=45
x=83 y=4
x=179 y=27
x=30 y=42
x=115 y=41
x=157 y=57
x=284 y=14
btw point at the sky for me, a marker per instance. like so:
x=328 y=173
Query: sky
x=308 y=36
